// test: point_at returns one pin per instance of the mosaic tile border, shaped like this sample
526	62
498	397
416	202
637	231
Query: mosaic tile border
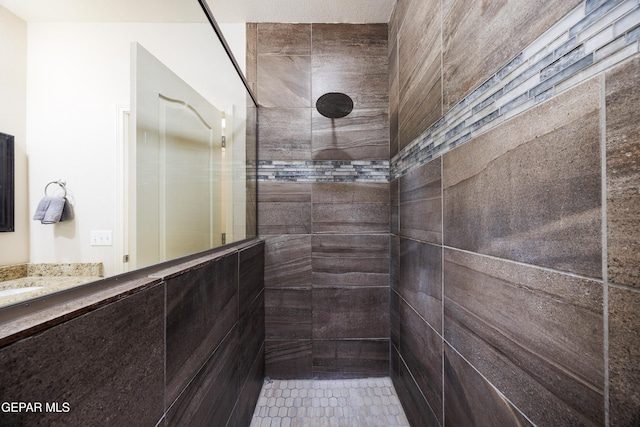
592	38
324	171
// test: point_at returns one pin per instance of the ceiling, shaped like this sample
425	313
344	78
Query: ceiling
224	11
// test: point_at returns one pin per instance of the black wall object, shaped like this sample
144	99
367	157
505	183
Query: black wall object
334	105
6	182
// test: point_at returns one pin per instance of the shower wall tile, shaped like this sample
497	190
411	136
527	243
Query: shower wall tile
415	406
291	359
349	208
623	174
420	279
251	334
480	37
284	81
394	206
284	39
350	39
419	70
212	394
249	393
362	135
421	348
288	313
251	64
393	83
251	276
535	334
343	313
364	78
95	363
350	359
530	189
624	356
395	318
202	306
471	401
421	203
350	260
285	134
288	261
284	208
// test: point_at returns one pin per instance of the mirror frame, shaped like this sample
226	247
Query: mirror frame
7	184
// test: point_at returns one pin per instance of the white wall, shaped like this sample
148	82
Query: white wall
78	75
14	246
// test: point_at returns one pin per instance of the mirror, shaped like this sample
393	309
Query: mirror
6	182
152	173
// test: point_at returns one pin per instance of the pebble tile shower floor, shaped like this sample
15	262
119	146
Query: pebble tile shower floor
370	402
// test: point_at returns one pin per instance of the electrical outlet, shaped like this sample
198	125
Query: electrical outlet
101	238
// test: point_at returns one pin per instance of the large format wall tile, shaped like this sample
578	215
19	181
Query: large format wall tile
480	37
536	335
284	39
285	133
623	174
210	398
350	208
530	190
249	393
624	357
95	363
362	135
284	81
350	39
288	261
251	334
350	359
340	313
421	203
471	401
420	70
291	359
251	276
284	208
421	349
420	279
350	260
288	313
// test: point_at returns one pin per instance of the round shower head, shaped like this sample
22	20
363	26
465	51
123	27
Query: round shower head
334	105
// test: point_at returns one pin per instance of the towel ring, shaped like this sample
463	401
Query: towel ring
61	183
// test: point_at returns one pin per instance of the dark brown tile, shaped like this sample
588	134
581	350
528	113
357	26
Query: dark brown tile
350	208
210	398
624	357
362	135
288	261
394	97
350	359
107	365
394	262
285	134
364	78
202	307
623	175
251	277
250	392
350	313
350	260
421	349
537	335
420	279
350	39
394	206
416	408
394	314
288	313
421	203
284	39
481	37
530	189
471	401
284	81
252	335
288	359
284	208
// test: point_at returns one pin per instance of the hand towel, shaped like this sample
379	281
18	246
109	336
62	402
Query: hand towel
42	208
67	211
54	211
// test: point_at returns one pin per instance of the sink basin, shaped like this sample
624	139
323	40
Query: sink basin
16	291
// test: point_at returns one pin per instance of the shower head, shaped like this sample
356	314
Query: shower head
334	105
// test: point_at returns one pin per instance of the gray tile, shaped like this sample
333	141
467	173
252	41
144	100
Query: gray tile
421	203
283	39
350	39
288	314
290	359
350	359
284	81
285	134
284	208
288	261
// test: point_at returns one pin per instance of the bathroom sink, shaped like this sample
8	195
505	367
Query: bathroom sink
16	291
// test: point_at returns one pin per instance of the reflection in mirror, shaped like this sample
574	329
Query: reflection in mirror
6	182
141	112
